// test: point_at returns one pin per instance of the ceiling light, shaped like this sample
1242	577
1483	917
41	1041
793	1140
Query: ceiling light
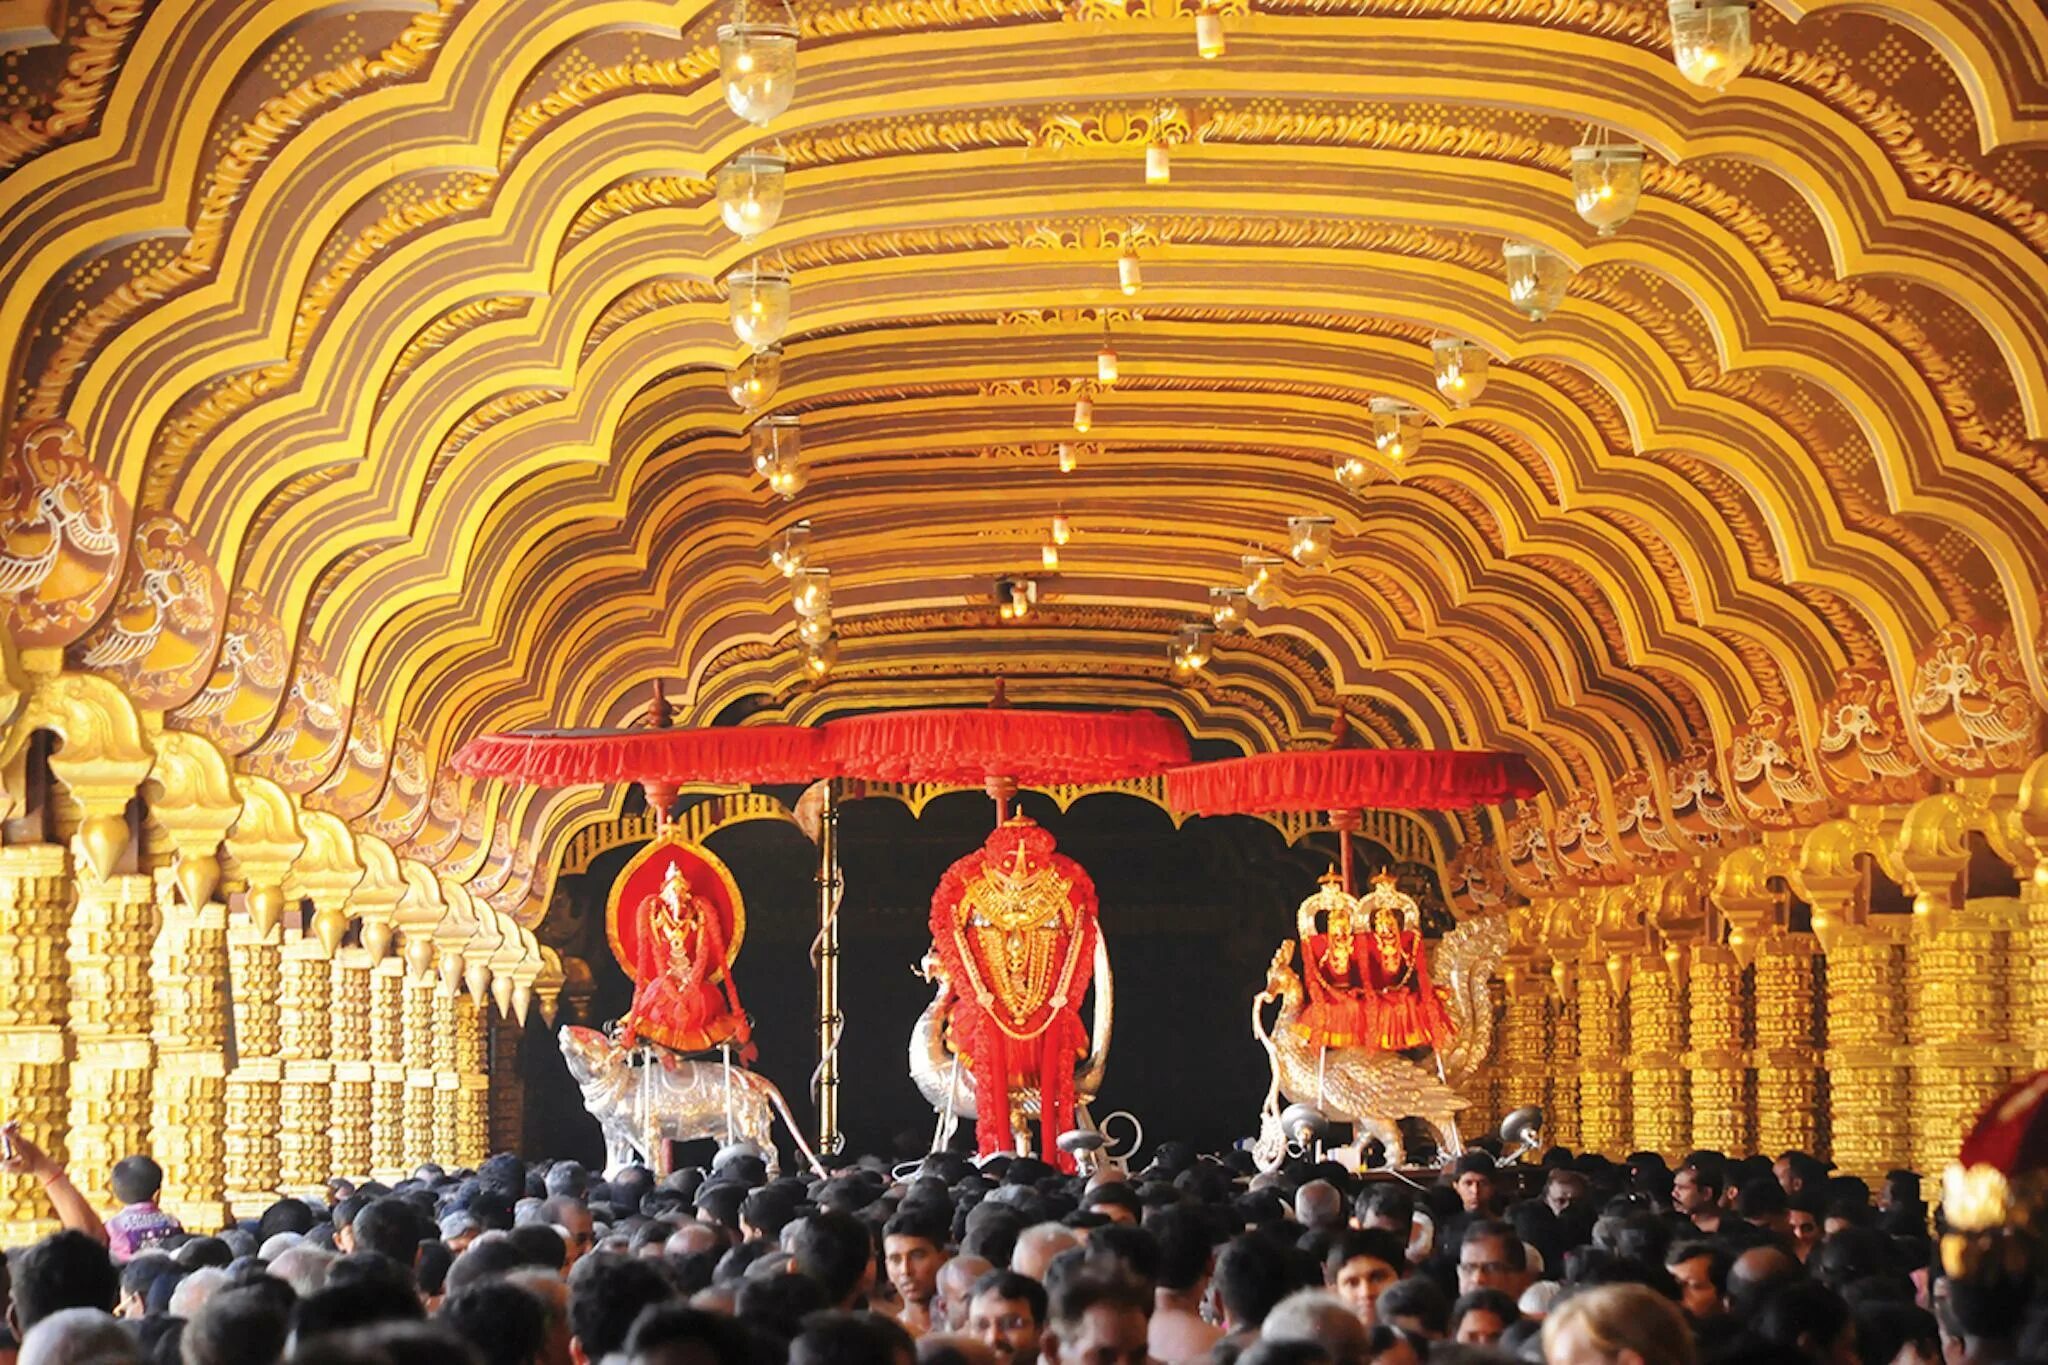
758	63
1084	414
1208	33
1309	540
1049	555
1537	278
1193	646
1158	163
1607	184
1015	598
1129	274
819	658
753	381
1106	360
1461	369
777	448
814	630
1229	609
1069	456
750	192
812	596
1710	40
1352	471
1261	579
760	306
1062	529
791	552
1396	431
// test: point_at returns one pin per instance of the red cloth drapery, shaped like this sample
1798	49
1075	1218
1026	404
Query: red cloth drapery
1350	779
968	747
565	758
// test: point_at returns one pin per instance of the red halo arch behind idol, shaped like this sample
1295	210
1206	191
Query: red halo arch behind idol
625	927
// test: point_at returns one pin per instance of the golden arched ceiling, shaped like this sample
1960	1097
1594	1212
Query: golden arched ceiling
409	322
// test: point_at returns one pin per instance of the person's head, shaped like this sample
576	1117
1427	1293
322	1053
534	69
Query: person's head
1564	1189
1491	1256
541	1245
137	1180
79	1336
1186	1254
1701	1271
1809	1318
64	1270
195	1289
1097	1320
506	1323
1311	1315
1006	1312
1474	1182
568	1178
607	1291
913	1249
1804	1215
1617	1324
1696	1188
852	1339
136	1278
1416	1305
1319	1206
957	1279
835	1250
676	1334
1799	1171
1898	1334
1761	1202
1115	1201
304	1268
392	1227
1479	1318
1251	1278
237	1327
573	1219
1362	1263
1755	1273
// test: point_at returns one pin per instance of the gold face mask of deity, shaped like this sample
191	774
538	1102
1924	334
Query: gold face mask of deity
1015	917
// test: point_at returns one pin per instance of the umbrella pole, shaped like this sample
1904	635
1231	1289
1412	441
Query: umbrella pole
830	1021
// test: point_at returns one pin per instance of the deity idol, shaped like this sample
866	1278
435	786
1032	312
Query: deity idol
1367	975
1336	1014
685	998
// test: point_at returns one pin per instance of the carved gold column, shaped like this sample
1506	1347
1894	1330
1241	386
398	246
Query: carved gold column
420	989
508	1087
112	932
1565	1118
1656	1043
1788	1096
447	1077
1603	1085
1525	1043
387	1071
35	907
473	1095
1955	1010
304	1149
263	844
349	1133
1717	1059
1868	1095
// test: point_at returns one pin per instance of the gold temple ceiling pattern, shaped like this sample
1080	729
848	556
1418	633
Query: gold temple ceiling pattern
400	339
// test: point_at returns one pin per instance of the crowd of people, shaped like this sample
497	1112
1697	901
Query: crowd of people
1573	1260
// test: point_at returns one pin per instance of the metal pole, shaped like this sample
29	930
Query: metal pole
830	1021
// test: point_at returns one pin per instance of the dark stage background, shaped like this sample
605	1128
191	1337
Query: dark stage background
1192	918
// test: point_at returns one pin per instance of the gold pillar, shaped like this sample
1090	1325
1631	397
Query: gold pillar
387	1071
473	1094
1867	1074
188	1100
508	1087
1788	1095
447	1079
255	970
419	1069
1525	1045
35	907
1656	1042
305	1154
1717	1058
1956	1017
1603	1085
349	1133
1565	1119
111	934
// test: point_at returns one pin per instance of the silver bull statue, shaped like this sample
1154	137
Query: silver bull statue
641	1109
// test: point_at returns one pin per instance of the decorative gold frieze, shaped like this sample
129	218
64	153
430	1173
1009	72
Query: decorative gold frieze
1657	1085
1718	1060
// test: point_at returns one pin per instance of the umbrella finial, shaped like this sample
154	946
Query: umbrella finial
1340	730
660	714
1000	697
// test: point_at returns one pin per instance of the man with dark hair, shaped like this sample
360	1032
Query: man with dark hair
1803	1217
1473	1179
913	1250
675	1334
140	1224
1491	1256
508	1325
541	1245
236	1327
1761	1204
1416	1305
1798	1172
607	1292
65	1270
1701	1270
1360	1265
852	1339
1251	1278
1479	1318
1096	1320
1007	1313
579	1227
765	1212
1115	1201
362	1290
1187	1258
836	1251
391	1227
1696	1193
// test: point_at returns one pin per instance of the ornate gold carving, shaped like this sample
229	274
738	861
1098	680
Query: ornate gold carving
1864	751
163	629
637	194
91	64
1116	126
1773	776
241	695
1970	704
61	532
1584	850
1787	1076
1867	1076
1657	1084
351	791
1697	804
305	743
1603	1085
1717	1059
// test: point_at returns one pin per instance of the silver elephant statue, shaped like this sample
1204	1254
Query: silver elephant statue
641	1109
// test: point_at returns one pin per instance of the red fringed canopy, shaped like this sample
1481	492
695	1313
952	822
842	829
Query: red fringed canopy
968	747
1350	779
565	758
2011	1134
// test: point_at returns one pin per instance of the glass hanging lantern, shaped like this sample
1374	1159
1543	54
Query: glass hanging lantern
1229	609
750	192
758	63
820	658
1158	163
1192	648
753	381
1106	361
1461	369
1209	33
792	551
1084	414
1607	184
1130	275
1069	457
787	482
1396	430
1062	529
777	446
1049	556
1015	598
1261	579
1309	540
812	595
1710	40
759	301
1352	472
1537	278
